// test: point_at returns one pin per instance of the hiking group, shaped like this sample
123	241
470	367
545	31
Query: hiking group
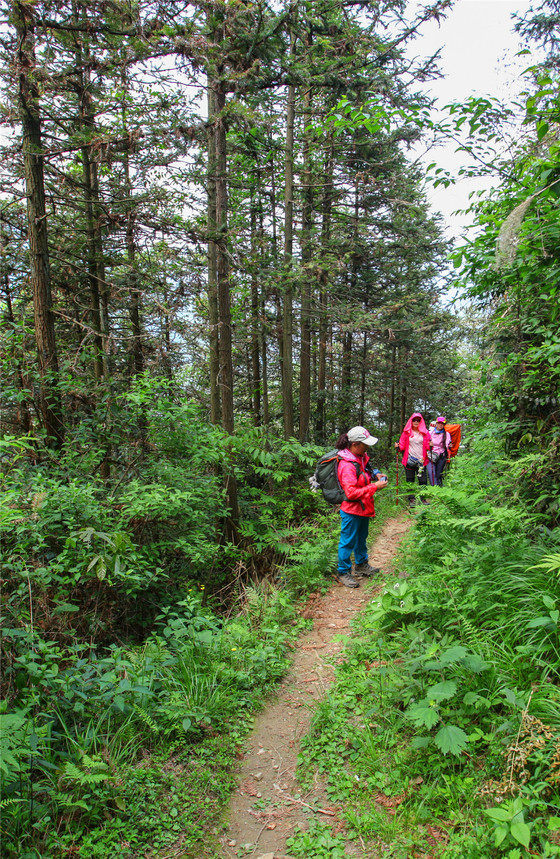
346	478
425	451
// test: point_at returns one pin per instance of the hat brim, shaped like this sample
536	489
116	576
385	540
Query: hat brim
370	441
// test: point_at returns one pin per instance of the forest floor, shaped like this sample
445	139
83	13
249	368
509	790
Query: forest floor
268	803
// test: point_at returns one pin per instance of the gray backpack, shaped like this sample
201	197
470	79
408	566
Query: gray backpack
326	479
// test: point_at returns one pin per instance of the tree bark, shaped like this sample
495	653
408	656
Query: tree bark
323	282
392	401
87	125
287	315
222	267
50	403
212	289
255	324
306	257
263	326
363	377
134	309
346	416
224	299
402	373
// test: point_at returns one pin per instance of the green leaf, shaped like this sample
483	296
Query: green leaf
453	655
539	621
451	740
186	723
475	663
501	833
554	822
66	607
423	714
442	691
521	832
498	813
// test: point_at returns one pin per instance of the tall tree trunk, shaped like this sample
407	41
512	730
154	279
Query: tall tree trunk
331	375
134	309
212	289
363	377
287	316
50	403
323	281
278	327
348	411
392	400
224	299
87	123
403	380
166	332
222	268
306	256
94	209
262	311
346	401
134	306
255	323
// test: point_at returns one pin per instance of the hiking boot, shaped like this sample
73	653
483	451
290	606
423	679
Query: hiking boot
365	570
425	500
347	580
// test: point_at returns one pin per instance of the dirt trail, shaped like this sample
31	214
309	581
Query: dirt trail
268	802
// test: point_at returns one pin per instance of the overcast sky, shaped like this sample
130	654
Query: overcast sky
477	58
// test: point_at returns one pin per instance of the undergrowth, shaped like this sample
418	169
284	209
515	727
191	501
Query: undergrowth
136	644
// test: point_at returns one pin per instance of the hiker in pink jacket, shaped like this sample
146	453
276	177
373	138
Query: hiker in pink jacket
439	452
415	442
360	484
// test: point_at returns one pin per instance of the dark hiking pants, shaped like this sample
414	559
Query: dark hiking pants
410	472
439	465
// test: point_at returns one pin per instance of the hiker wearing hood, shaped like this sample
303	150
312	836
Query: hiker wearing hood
359	484
439	454
415	442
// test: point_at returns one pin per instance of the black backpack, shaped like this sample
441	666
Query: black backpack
326	479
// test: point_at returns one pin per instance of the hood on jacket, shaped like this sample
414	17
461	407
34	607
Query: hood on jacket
421	427
347	454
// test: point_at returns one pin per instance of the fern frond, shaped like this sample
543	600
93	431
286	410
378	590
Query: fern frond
145	717
11	801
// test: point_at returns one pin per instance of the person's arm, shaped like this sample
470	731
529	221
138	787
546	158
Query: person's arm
349	482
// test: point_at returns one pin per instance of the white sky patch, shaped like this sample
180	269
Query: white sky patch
478	58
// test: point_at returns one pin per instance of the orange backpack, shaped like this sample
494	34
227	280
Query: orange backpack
454	431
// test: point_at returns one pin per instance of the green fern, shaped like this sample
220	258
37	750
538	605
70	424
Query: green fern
10	802
145	717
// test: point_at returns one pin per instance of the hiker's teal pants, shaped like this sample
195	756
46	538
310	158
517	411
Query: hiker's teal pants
353	536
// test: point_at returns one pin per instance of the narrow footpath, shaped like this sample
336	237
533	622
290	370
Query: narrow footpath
268	803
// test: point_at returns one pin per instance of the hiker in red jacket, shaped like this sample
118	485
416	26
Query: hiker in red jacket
415	443
360	485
